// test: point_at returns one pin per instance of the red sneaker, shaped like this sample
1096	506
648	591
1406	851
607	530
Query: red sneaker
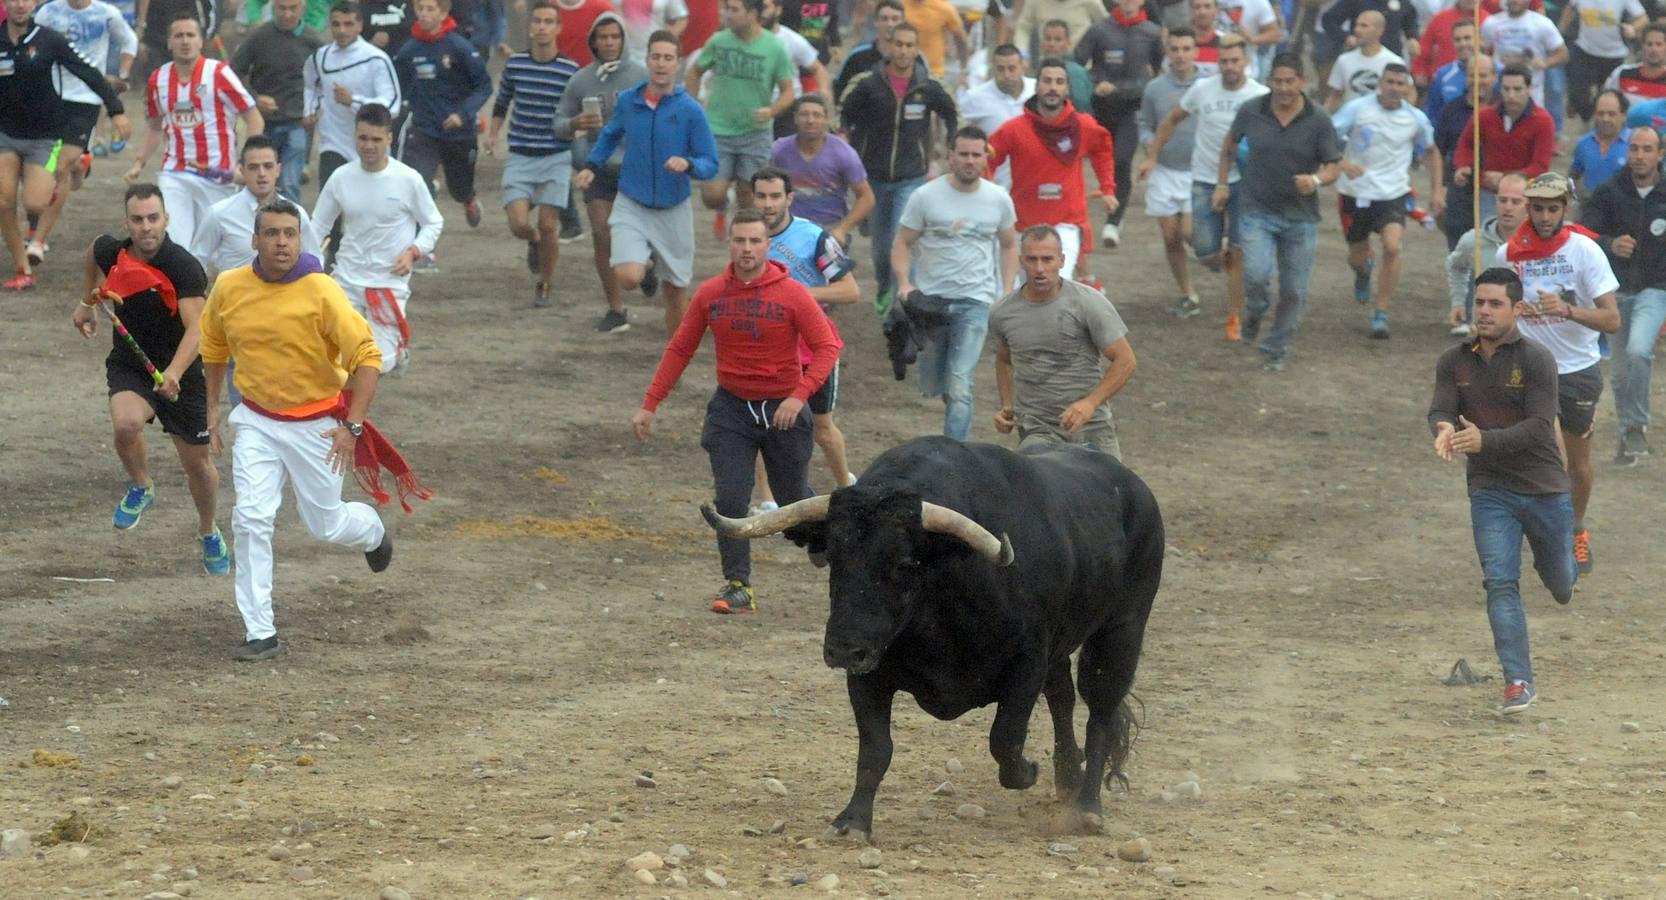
23	281
720	226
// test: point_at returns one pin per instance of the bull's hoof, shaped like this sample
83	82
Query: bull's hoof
847	832
1085	822
1067	780
1020	775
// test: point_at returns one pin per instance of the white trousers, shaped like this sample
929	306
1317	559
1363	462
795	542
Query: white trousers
267	453
387	320
188	198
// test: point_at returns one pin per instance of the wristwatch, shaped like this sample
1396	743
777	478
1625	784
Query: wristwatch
356	429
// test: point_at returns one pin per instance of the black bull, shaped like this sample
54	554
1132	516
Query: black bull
925	598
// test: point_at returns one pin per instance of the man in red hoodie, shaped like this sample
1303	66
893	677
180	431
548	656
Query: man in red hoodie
1047	145
757	314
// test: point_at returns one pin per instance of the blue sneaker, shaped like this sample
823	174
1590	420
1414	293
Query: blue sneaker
216	559
1362	281
1379	325
138	499
118	145
1518	695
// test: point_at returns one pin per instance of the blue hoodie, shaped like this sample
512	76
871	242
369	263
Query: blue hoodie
441	74
676	127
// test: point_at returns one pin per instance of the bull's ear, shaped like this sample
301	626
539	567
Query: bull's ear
812	536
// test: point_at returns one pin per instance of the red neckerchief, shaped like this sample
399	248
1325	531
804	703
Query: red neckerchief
371	454
446	27
1526	244
1062	136
131	276
1129	22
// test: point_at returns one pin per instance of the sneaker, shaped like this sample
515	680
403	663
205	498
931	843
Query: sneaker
571	233
1110	236
540	295
1635	442
851	481
720	226
133	505
1093	281
532	257
36	252
1234	330
216	559
613	322
23	281
98	149
255	651
1188	306
382	555
1459	331
471	212
1362	281
427	264
650	280
882	302
1251	331
766	506
1518	695
86	169
1379	325
1582	551
118	145
1274	364
734	599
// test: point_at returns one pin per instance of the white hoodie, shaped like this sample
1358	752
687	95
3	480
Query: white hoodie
368	74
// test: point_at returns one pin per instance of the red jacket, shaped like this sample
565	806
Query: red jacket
1435	49
756	327
1527	147
1046	190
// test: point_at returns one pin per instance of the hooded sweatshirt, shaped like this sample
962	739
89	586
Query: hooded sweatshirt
598	79
1460	263
1047	184
756	328
673	126
893	134
441	74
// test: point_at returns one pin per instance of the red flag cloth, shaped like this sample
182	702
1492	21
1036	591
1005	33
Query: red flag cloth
1526	243
131	276
373	453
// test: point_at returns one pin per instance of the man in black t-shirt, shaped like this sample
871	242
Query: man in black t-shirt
161	287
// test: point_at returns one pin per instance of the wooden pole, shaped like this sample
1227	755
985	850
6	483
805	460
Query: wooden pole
1475	126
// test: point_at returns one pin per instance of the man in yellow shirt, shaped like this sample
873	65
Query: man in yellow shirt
938	21
303	356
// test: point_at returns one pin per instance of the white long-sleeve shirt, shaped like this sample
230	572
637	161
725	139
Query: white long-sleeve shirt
90	31
381	209
225	234
368	74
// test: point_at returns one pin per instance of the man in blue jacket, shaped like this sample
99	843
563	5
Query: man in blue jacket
667	143
442	78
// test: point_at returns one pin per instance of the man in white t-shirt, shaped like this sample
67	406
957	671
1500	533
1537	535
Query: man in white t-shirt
1567	300
1382	135
1215	102
992	103
384	202
1520	35
1357	72
805	58
1256	21
1606	27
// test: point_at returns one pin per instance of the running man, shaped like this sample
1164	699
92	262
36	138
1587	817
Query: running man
158	288
825	171
191	105
759	316
225	236
340	78
1168	194
442	78
305	361
391	223
752	83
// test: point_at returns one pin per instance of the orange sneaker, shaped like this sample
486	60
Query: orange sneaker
1582	550
1234	331
735	598
720	226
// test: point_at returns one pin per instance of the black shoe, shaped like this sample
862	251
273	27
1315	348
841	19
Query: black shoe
650	281
255	651
613	323
532	257
382	555
540	295
571	233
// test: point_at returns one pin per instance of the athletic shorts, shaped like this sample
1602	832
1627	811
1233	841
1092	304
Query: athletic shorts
1361	220
1168	193
827	396
76	122
185	418
1577	394
1209	228
33	151
605	186
542	180
741	155
640	231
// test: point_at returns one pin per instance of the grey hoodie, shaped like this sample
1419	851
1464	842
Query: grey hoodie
1460	263
599	79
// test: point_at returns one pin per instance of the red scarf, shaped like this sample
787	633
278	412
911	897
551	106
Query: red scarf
446	27
1062	136
371	455
131	276
1526	244
1130	21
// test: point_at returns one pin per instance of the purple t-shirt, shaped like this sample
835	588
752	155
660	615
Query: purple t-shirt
820	185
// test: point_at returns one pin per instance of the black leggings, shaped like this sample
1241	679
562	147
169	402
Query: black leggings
1586	73
736	432
427	155
1122	121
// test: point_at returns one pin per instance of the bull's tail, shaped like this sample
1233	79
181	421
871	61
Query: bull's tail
1126	726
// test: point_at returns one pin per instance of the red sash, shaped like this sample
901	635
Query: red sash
373	452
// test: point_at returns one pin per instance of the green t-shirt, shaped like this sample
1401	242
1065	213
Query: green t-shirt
744	75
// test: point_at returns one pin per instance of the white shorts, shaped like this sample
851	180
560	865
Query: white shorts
188	198
1168	192
384	309
1070	237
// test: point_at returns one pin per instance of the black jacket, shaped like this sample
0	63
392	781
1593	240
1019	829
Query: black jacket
1615	210
29	64
891	134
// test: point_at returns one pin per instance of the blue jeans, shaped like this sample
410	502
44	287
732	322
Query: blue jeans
1500	518
949	358
889	199
1271	239
1556	93
1641	315
1209	228
291	140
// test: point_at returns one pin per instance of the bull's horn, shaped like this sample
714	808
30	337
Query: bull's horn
943	520
810	509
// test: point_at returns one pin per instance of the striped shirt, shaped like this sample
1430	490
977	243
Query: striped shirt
534	89
197	114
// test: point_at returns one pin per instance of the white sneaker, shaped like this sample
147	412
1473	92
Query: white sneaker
36	252
766	506
852	480
1110	236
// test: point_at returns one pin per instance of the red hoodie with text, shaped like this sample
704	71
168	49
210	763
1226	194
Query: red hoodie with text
1047	179
756	326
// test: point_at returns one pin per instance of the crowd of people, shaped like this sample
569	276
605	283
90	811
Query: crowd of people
956	142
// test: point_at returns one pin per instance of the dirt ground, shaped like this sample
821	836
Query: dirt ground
472	723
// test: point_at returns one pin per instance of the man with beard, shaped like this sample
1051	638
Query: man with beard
1569	301
1047	145
824	170
1647	80
1000	99
1494	232
159	288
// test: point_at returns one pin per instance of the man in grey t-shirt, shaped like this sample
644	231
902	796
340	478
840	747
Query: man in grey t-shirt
1050	338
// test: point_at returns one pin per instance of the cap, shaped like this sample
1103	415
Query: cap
1549	186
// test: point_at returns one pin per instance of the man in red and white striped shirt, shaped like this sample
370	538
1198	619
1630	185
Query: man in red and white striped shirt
191	106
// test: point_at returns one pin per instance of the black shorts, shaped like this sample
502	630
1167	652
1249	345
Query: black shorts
185	418
76	122
1360	222
605	186
1577	394
827	396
